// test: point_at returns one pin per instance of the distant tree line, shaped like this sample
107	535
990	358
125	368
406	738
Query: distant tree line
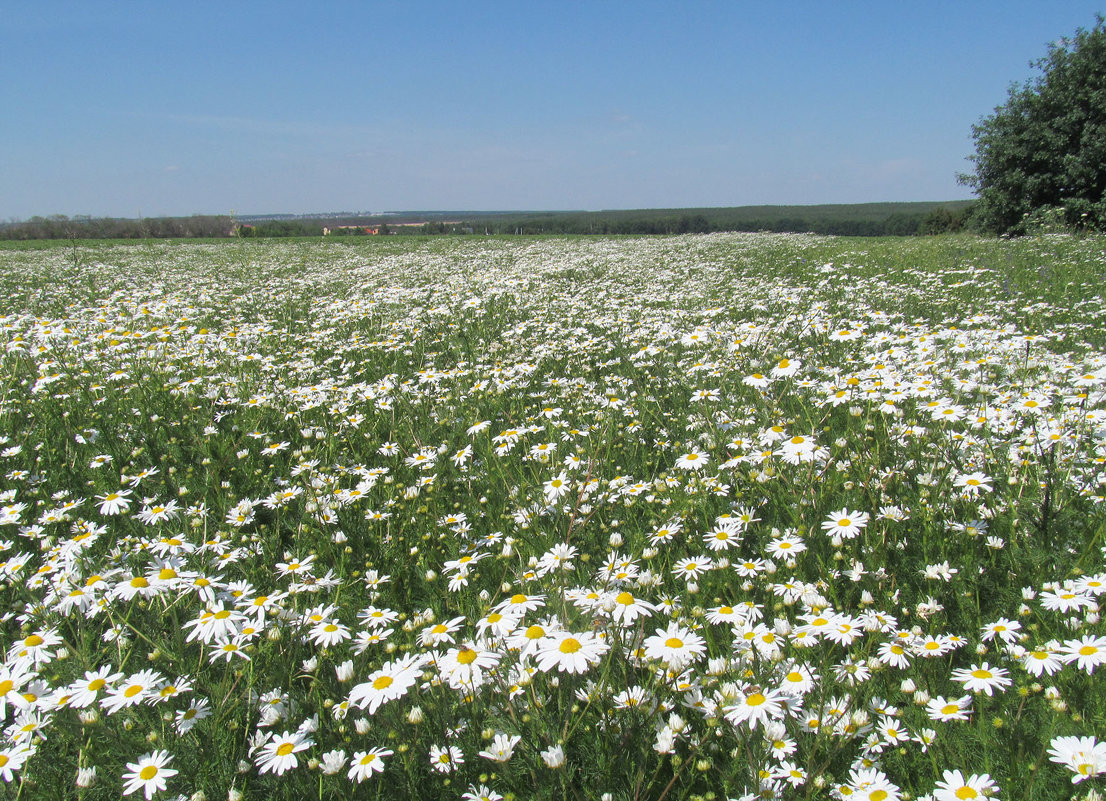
937	219
59	226
874	219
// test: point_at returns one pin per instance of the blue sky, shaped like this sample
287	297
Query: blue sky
174	108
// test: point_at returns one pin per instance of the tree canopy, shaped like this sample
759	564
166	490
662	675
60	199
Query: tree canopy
1041	156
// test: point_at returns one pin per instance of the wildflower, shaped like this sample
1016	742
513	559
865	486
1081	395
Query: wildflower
786	546
755	707
85	691
800	450
148	774
692	567
520	603
440	632
571	652
327	633
956	787
627	608
982	678
722	537
1043	660
158	513
553	756
1083	756
391	681
1065	600
466	666
215	623
226	648
1003	629
693	460
12	758
295	566
502	748
138	687
798	681
666	533
893	654
333	761
845	524
974	483
674	645
447	759
481	793
279	753
86	777
366	763
944	709
1087	653
187	718
786	368
114	503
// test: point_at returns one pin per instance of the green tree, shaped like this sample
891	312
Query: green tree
1042	154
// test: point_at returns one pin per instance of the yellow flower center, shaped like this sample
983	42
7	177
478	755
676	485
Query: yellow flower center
139	582
96	684
756	699
625	599
535	632
33	640
966	792
981	674
466	656
674	642
382	682
284	749
570	646
147	773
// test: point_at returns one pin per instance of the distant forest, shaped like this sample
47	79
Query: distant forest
860	219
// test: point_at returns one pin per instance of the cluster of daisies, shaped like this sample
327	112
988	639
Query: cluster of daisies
476	513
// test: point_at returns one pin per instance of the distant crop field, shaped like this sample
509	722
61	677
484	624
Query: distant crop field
728	516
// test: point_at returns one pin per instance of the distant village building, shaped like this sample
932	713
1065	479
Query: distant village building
370	230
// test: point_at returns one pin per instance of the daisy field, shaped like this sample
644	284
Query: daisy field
731	516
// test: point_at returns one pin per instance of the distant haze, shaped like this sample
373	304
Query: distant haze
165	109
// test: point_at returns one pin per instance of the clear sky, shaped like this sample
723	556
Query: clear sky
173	108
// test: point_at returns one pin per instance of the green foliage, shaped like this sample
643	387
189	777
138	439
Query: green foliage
1045	148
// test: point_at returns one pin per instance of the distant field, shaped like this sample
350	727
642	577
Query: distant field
696	517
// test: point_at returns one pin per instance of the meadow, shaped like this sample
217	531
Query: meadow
729	516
